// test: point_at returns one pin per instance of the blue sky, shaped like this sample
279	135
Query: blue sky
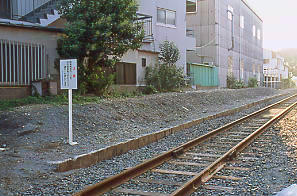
280	22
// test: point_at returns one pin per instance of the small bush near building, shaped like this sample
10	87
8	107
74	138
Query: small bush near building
163	78
169	53
288	83
149	89
99	81
165	75
233	83
253	82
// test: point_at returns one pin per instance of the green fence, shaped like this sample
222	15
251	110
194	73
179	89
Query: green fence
204	75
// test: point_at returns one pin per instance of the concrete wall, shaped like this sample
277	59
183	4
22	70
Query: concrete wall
136	57
7	93
30	35
213	28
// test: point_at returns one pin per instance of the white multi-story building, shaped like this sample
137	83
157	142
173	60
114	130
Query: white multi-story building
274	69
163	21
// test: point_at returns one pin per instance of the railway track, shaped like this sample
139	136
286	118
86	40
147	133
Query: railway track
188	167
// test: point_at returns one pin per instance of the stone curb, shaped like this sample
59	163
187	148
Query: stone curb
91	158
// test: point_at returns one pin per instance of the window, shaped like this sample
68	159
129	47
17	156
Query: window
143	62
266	61
230	12
161	16
254	30
242	22
166	17
170	17
259	34
191	6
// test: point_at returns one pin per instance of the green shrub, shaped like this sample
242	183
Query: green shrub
240	84
164	78
149	89
232	83
252	83
99	81
169	53
288	83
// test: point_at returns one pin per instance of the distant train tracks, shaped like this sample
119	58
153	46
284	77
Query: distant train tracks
189	166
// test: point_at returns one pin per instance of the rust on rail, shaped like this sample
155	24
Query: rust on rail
199	178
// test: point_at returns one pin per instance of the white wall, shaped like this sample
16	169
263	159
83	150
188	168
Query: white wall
161	33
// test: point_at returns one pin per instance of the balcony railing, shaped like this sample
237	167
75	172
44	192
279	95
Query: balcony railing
147	24
16	9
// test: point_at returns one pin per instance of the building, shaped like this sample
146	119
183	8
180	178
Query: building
30	25
274	69
229	37
162	20
294	78
28	43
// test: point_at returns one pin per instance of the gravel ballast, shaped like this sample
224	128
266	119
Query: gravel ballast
36	134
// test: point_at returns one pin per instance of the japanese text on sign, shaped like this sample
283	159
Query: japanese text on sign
68	74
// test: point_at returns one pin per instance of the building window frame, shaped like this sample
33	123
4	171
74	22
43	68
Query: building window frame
254	31
259	34
165	21
143	62
193	2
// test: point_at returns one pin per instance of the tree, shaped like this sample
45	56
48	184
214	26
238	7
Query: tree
165	76
98	33
169	53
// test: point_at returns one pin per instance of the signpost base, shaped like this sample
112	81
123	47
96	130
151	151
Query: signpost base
70	118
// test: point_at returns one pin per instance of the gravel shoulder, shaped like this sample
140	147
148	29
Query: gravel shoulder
36	134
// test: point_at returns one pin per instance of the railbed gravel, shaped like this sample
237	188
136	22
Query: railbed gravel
51	183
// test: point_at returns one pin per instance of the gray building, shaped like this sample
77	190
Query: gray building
28	42
229	35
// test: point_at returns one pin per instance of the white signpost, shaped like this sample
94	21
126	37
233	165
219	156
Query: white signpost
68	77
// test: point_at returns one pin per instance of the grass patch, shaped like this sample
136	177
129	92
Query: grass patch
63	99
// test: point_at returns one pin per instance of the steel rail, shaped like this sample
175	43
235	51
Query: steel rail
114	181
219	164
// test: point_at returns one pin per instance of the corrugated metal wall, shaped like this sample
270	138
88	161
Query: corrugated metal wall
203	75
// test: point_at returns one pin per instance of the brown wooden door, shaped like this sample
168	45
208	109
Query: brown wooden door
126	73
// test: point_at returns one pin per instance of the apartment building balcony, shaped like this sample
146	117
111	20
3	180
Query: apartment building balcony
147	23
190	40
